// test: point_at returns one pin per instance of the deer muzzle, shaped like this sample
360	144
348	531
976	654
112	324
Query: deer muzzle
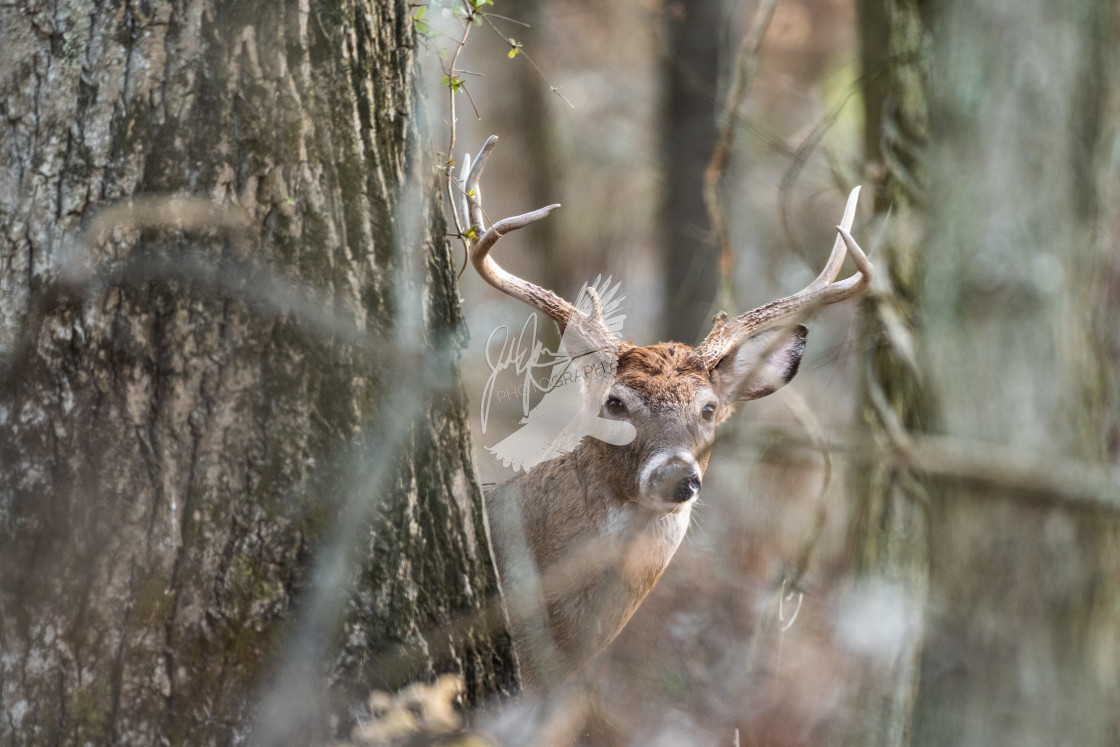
673	478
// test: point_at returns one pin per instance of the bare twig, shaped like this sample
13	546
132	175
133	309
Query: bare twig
522	53
800	158
740	87
813	431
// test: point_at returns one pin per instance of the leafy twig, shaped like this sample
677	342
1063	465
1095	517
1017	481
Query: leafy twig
516	50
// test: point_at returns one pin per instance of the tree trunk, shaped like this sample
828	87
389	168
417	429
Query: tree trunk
237	490
992	337
696	33
1022	645
888	532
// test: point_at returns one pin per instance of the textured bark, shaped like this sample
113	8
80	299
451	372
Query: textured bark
998	273
237	484
1024	617
888	531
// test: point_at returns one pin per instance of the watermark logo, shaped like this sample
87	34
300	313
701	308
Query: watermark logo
573	388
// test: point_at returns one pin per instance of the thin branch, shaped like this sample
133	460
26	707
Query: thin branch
813	431
507	19
800	158
740	87
450	162
522	53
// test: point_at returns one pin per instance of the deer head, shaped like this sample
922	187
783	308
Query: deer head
581	539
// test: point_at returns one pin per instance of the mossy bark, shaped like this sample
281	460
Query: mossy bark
984	124
888	531
1022	645
231	428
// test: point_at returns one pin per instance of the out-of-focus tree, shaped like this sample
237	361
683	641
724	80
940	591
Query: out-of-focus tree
888	532
237	489
696	34
986	529
1023	617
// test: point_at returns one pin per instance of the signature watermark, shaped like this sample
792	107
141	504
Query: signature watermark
539	368
572	389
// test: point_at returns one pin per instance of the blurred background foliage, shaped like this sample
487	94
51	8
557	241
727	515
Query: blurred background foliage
953	546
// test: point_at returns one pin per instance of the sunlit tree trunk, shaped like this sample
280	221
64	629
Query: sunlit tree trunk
237	490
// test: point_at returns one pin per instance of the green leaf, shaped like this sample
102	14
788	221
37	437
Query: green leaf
422	26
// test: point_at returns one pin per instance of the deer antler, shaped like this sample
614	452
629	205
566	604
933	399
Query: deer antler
590	329
823	291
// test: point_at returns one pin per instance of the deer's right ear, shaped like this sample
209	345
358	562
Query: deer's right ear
759	365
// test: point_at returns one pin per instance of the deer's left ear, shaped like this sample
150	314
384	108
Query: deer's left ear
760	365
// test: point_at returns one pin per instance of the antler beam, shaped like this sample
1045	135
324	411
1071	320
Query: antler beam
591	328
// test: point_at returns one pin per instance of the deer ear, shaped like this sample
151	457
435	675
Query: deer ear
759	365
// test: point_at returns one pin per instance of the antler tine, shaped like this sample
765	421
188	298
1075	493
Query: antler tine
836	258
591	328
823	291
471	194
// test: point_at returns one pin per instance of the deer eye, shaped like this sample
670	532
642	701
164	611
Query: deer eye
615	407
708	413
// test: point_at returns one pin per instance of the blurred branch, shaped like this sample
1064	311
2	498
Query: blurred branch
811	426
166	211
83	278
717	166
1062	483
800	158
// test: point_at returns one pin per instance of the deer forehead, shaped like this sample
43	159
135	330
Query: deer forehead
664	375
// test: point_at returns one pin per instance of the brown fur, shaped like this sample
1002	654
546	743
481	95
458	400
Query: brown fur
578	546
665	372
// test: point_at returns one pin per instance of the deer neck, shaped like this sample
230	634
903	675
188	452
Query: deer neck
598	552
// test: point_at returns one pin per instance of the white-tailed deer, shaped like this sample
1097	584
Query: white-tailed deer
582	538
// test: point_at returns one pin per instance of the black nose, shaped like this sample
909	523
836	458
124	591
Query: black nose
677	480
687	488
